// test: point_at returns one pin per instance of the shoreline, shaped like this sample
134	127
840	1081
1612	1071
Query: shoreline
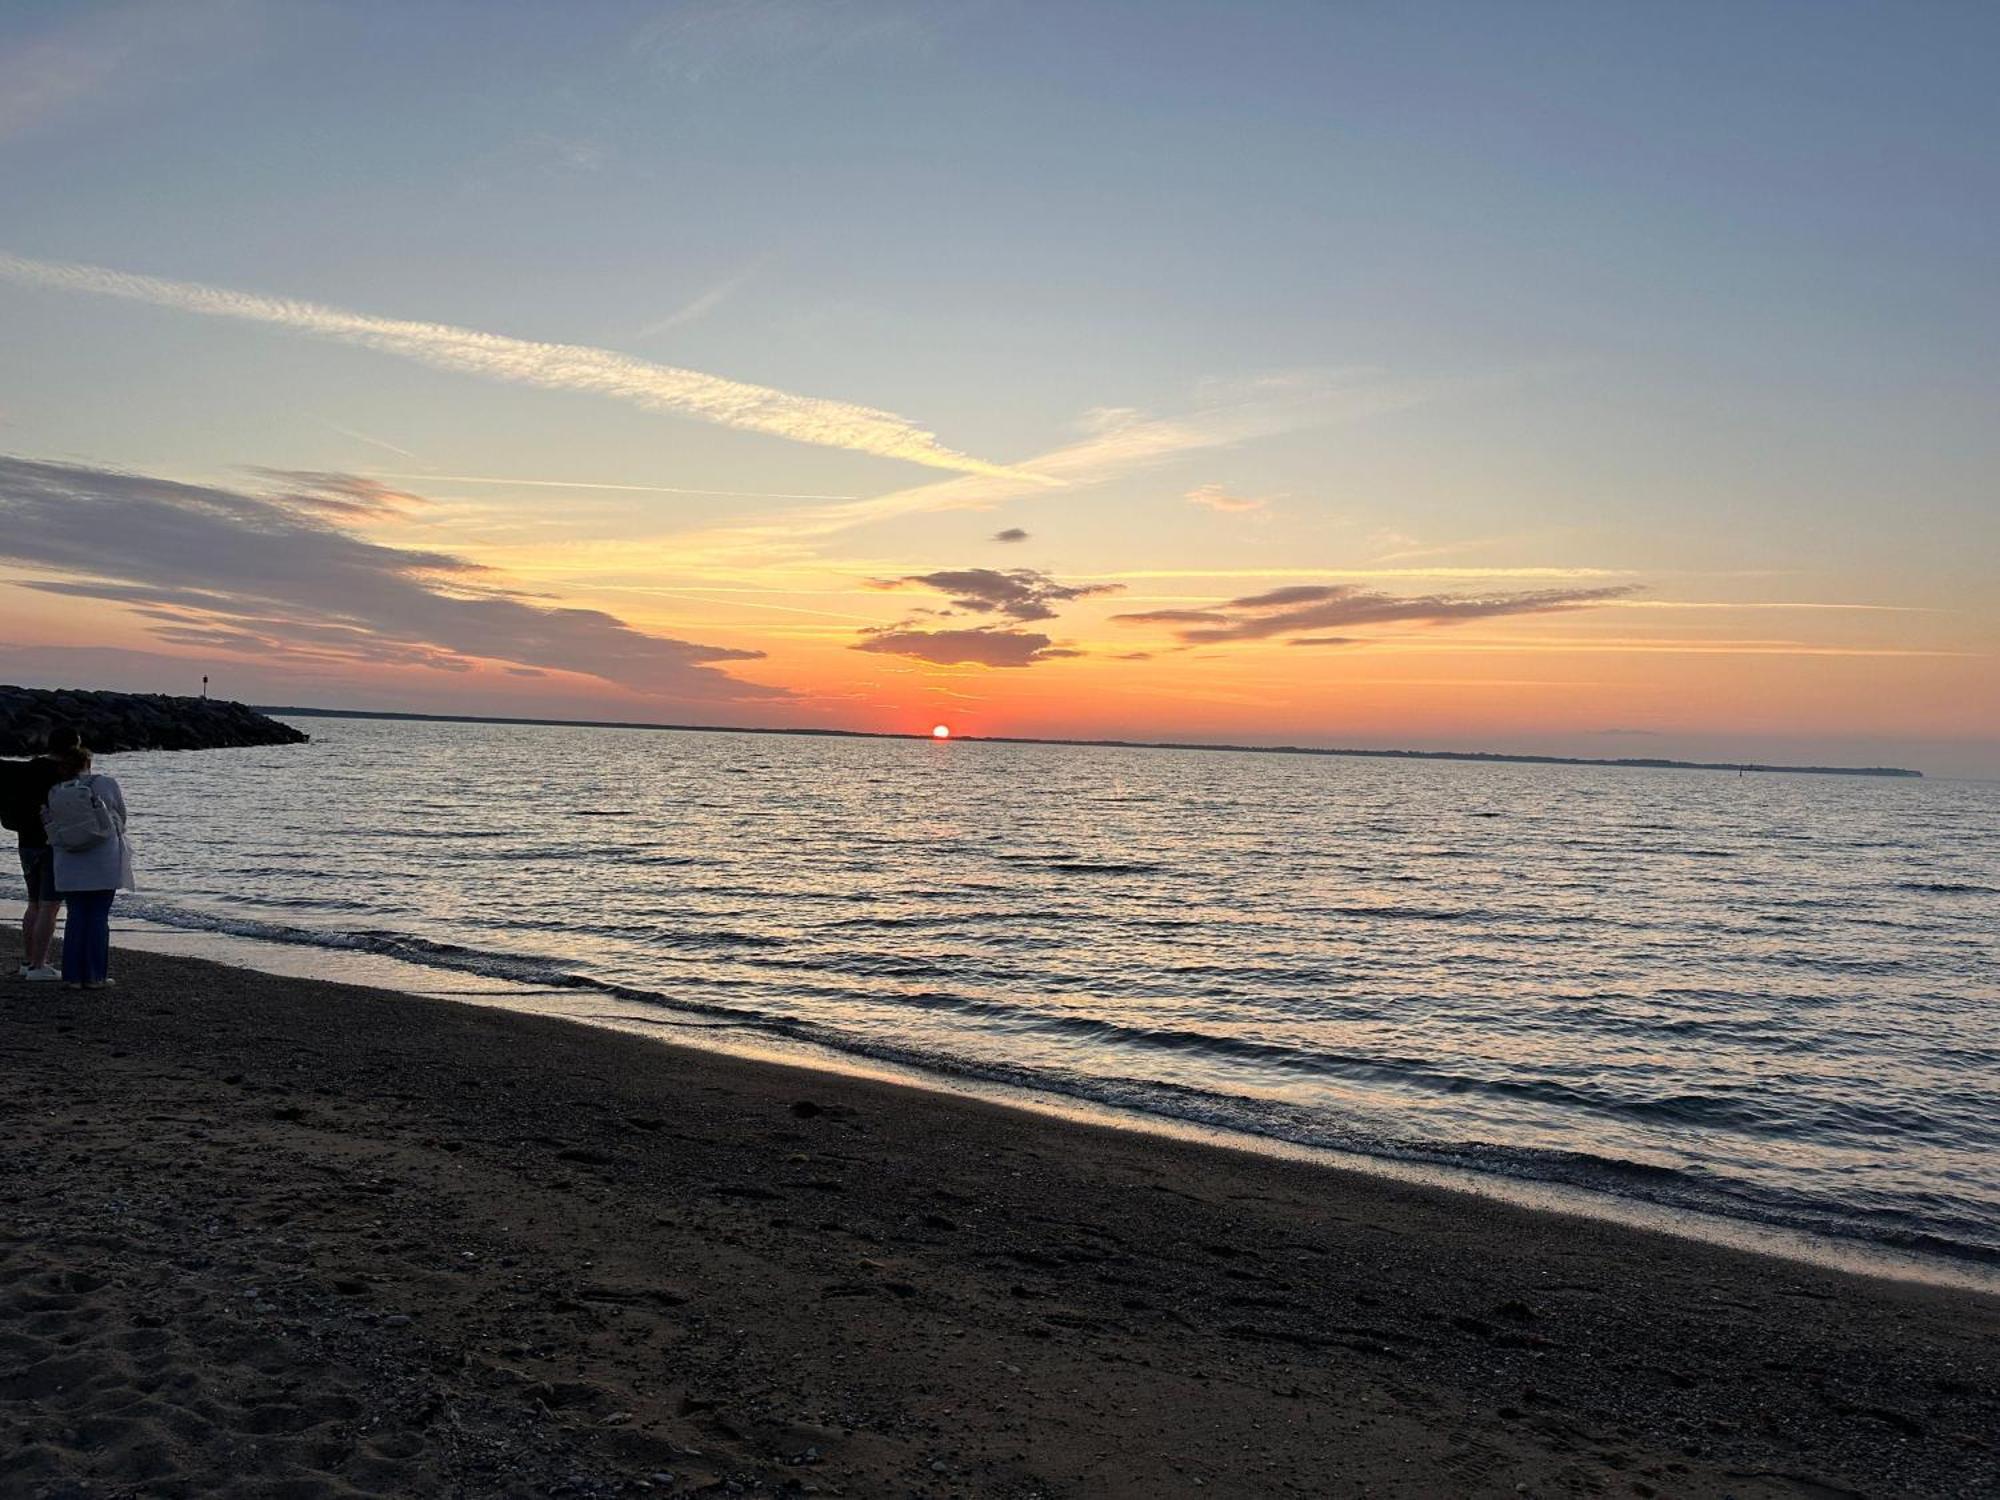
263	1230
693	1030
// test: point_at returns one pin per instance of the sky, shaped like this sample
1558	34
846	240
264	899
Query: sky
1603	380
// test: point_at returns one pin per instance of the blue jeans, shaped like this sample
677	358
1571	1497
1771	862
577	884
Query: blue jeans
87	937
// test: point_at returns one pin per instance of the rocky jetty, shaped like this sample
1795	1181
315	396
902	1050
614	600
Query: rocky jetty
111	722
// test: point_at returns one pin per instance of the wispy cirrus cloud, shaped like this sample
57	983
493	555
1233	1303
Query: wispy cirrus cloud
281	578
1321	572
507	482
1215	497
1305	608
1173	617
569	367
344	499
1115	441
1741	604
1655	646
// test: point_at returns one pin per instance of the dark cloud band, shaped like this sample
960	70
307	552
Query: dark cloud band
950	648
1018	593
1304	608
279	577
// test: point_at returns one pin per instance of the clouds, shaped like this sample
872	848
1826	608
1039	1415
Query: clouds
1011	534
1174	617
277	577
508	482
1304	608
976	647
339	497
567	367
1215	497
1019	594
1116	441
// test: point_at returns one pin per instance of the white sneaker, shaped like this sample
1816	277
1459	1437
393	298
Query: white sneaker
45	974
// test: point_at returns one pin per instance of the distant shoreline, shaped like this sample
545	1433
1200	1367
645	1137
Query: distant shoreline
1490	757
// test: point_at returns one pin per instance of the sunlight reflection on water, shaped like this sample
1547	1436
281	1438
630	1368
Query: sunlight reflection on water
1770	996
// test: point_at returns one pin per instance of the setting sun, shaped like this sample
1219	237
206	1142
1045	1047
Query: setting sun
940	731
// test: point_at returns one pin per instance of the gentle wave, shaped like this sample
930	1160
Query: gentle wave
1773	997
1654	1182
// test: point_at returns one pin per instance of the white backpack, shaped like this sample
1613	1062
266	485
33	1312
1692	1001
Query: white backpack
76	818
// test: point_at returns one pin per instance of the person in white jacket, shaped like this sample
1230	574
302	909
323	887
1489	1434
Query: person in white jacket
90	879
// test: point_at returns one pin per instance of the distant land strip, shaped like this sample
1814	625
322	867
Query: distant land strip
1486	756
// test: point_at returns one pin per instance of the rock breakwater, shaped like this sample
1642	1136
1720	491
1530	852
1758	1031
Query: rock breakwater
112	722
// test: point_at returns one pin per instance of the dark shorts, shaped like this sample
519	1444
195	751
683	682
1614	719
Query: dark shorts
38	868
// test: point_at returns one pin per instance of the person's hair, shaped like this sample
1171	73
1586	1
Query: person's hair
62	737
72	762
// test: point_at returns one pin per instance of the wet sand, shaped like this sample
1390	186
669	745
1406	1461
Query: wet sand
275	1237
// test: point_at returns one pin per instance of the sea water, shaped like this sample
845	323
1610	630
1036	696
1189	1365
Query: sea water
1768	997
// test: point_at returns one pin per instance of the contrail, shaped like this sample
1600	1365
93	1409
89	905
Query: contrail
706	303
362	437
565	367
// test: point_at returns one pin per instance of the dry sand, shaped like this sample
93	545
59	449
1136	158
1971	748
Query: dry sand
280	1238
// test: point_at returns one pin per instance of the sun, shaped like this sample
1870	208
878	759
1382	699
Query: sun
940	731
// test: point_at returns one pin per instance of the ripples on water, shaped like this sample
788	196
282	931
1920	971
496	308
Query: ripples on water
1771	997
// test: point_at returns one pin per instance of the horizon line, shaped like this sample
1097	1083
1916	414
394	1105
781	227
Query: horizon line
1627	763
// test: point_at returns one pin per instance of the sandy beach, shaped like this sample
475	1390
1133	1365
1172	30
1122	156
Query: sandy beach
283	1238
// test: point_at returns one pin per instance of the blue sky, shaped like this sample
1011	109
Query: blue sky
1698	298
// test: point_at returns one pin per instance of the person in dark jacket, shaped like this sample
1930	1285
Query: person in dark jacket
23	792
